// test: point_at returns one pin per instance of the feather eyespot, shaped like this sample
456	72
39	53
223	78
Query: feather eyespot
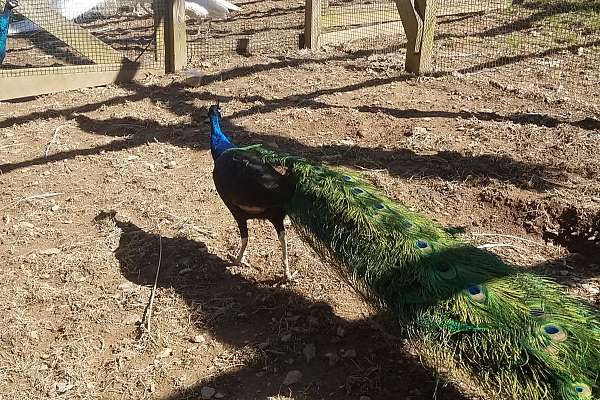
357	191
536	312
582	390
378	206
407	224
423	246
476	293
554	332
446	271
347	178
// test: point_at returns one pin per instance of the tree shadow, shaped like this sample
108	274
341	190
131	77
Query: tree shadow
250	314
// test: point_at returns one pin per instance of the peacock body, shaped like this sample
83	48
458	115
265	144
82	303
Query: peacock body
515	332
4	22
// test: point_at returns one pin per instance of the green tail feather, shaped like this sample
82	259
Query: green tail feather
517	333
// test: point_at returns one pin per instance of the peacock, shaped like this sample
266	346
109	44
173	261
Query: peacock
516	333
209	9
4	22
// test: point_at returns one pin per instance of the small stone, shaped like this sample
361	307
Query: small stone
580	51
193	78
55	207
207	392
34	335
199	339
350	353
418	130
50	251
171	164
286	337
132	158
126	286
219	395
333	358
309	352
165	353
63	387
26	225
292	377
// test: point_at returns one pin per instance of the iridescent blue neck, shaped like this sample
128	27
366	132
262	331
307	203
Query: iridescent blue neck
218	141
4	21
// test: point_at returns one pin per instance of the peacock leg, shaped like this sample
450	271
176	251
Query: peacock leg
286	265
240	259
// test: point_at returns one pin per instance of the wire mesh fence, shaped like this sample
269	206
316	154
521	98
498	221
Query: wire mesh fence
552	37
100	33
363	24
271	26
557	42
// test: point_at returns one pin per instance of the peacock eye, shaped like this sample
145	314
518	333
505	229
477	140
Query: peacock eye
379	206
582	390
423	246
556	333
407	224
347	178
357	190
476	293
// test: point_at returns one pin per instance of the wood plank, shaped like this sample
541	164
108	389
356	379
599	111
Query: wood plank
312	23
345	16
38	81
175	36
346	35
76	37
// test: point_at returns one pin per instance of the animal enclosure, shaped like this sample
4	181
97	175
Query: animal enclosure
63	44
66	43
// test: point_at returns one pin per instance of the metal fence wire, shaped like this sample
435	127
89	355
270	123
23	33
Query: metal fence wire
269	26
103	33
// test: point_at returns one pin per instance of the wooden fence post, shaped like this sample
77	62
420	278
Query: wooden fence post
175	35
419	19
312	24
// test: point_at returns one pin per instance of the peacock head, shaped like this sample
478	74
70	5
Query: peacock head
214	111
10	4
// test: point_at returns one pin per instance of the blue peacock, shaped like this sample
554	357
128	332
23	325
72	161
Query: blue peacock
517	334
4	22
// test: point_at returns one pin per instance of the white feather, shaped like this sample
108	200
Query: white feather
210	8
194	10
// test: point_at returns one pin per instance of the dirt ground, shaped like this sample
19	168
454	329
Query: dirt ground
98	185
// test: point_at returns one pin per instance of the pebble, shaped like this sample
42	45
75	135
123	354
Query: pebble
309	352
26	225
165	353
350	353
55	207
286	337
50	251
292	377
63	387
207	392
199	339
171	164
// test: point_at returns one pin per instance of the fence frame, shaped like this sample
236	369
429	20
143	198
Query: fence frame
171	56
417	17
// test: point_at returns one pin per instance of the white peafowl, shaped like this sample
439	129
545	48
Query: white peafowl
208	10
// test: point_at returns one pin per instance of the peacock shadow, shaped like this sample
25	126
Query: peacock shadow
242	312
